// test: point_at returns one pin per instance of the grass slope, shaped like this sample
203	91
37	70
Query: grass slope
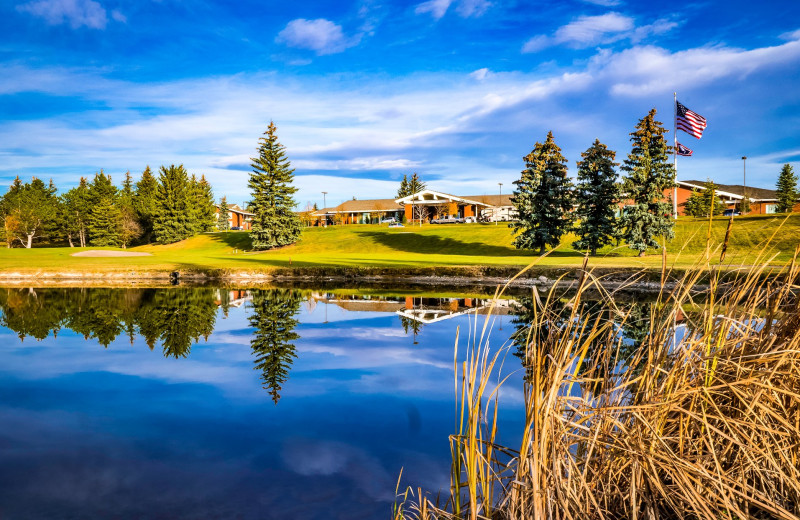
411	247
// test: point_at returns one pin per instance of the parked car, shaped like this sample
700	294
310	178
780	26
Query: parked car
731	213
389	220
396	225
470	220
236	228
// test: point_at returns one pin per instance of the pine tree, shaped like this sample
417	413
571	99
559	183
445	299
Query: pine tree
274	222
701	203
543	198
223	224
596	198
404	190
172	219
415	184
205	207
145	202
787	193
649	174
274	320
75	207
105	223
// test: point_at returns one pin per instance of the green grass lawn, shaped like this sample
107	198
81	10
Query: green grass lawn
414	247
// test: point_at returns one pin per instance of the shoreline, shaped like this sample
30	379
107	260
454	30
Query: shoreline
642	280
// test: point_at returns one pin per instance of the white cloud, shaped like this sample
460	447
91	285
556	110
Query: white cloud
464	8
587	31
321	36
604	3
76	13
118	16
480	74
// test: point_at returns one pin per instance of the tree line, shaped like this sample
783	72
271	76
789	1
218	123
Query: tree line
164	209
600	208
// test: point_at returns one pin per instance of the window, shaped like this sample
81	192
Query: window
770	208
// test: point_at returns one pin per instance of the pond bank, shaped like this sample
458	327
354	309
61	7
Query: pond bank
645	280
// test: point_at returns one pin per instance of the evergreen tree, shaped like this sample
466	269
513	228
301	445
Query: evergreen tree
105	224
744	204
596	198
274	320
543	198
204	207
223	224
274	222
404	190
74	217
172	219
648	175
703	203
787	190
145	202
126	193
105	220
415	184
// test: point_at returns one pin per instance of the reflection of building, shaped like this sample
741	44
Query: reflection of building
421	309
235	298
431	310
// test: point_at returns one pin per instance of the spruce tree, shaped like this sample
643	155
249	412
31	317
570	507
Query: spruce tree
274	222
403	191
787	193
274	320
415	184
205	207
145	202
596	198
172	222
223	224
105	223
648	175
703	203
543	198
75	207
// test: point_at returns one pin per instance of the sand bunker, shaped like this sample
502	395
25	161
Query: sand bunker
100	254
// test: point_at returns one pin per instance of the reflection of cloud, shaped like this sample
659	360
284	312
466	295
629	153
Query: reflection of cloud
312	457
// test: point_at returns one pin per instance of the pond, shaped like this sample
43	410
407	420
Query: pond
231	403
218	403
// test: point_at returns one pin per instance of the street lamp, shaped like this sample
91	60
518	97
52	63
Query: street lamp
744	180
325	208
499	201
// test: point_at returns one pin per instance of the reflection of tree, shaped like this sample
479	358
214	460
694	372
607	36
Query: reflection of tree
177	318
174	317
274	319
411	324
30	312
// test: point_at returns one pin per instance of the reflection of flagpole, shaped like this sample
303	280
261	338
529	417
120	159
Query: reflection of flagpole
675	155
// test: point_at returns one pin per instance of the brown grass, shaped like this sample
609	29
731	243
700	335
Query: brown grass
701	421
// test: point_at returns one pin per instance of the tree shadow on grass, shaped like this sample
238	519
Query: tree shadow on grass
234	239
432	244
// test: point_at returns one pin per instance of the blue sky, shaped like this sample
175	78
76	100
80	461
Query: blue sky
366	91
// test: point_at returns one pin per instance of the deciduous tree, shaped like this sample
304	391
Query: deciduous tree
29	211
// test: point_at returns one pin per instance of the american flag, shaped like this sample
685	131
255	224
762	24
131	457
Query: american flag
690	122
682	150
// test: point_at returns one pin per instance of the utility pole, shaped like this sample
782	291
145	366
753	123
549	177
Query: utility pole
499	201
325	207
744	181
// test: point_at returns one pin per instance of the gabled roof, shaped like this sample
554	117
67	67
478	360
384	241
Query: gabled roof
235	208
735	191
361	206
492	200
431	196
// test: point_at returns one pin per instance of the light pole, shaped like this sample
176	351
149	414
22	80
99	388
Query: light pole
325	208
744	181
499	201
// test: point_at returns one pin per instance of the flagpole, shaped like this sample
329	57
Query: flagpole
675	154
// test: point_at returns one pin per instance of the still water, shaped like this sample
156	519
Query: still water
217	403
